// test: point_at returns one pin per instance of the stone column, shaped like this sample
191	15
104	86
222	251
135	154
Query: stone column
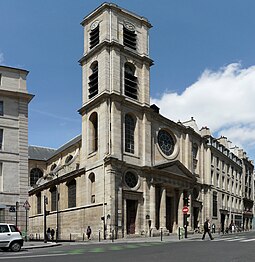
175	208
152	205
145	216
180	214
125	217
120	213
162	216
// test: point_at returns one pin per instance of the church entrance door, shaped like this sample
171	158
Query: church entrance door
131	215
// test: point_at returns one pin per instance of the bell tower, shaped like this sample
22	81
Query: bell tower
115	70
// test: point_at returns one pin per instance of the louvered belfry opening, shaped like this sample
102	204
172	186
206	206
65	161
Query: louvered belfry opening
93	80
130	81
129	38
94	37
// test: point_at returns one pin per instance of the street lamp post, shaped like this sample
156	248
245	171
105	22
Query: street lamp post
45	202
57	207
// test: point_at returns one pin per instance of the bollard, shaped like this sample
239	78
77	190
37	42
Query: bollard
112	236
83	237
161	235
179	233
99	236
70	237
150	231
185	231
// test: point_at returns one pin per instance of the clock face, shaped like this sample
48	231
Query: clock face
94	25
166	142
129	26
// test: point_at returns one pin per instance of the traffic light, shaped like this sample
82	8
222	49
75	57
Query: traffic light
186	200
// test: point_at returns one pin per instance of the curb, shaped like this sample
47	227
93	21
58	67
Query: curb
42	246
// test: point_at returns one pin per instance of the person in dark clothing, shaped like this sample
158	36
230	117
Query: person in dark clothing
52	232
207	229
88	233
48	233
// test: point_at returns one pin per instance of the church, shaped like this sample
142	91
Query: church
132	171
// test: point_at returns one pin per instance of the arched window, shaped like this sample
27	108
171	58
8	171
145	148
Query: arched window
53	191
93	132
129	134
130	81
71	193
35	174
92	187
93	80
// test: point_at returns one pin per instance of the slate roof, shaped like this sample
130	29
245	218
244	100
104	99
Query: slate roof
65	146
40	153
45	153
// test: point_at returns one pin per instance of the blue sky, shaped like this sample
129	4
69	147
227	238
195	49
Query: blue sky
203	52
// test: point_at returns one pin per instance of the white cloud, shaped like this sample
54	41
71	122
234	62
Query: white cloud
1	58
223	100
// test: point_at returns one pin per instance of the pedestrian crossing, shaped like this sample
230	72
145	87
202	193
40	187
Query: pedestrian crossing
241	239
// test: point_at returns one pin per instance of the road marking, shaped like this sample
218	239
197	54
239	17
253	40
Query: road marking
34	256
235	239
222	239
248	240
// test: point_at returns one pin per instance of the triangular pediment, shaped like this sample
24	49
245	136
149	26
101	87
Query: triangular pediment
176	168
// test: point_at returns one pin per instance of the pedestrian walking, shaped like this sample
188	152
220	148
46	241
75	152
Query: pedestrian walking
88	232
48	234
213	228
207	229
52	232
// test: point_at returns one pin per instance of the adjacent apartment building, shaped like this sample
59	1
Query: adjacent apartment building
132	170
14	100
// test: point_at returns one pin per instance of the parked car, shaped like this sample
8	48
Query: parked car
10	237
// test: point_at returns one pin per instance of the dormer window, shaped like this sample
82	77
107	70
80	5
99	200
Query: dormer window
94	34
129	36
93	80
130	81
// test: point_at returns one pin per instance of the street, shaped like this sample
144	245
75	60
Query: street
229	248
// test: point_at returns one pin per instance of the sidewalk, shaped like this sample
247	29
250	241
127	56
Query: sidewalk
95	241
171	238
39	244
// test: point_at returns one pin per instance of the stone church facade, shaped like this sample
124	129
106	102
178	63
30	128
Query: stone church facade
131	171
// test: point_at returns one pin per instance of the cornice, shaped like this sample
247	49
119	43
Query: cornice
125	50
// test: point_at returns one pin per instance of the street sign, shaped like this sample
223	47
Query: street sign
185	210
12	209
26	205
